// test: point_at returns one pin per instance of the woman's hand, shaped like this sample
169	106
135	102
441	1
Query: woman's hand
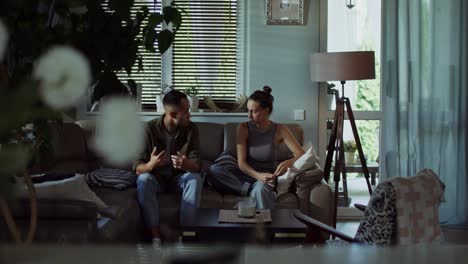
283	167
265	177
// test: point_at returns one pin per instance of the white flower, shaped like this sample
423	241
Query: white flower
64	76
119	131
3	39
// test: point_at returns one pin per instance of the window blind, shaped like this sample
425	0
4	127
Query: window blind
205	49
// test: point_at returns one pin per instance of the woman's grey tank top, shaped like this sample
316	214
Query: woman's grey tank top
261	150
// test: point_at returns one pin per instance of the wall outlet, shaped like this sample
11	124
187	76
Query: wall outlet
299	115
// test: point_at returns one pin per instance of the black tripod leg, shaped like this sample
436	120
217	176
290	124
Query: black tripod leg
343	172
358	145
331	147
339	155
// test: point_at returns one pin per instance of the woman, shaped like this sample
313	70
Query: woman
256	169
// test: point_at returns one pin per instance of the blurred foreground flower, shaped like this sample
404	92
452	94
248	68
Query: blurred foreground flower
3	39
119	131
64	76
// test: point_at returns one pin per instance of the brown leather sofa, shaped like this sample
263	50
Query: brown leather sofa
78	221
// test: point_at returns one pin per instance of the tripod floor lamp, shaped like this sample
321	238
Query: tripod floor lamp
342	66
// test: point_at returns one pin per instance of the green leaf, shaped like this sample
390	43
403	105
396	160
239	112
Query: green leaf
107	84
154	20
171	14
165	39
7	187
150	38
13	158
122	8
145	10
140	64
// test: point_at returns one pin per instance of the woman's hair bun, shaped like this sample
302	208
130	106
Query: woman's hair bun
267	89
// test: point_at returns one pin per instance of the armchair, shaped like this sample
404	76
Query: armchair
400	211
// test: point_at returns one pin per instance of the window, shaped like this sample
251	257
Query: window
205	52
355	29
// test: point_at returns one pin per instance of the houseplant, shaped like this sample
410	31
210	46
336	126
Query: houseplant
59	79
192	93
350	151
50	54
109	40
159	97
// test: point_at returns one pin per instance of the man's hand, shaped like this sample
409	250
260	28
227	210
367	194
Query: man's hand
282	168
265	177
179	161
157	160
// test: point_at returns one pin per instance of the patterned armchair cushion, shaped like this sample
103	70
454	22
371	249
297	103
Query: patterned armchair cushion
378	225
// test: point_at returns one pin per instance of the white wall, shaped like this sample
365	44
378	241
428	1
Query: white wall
278	56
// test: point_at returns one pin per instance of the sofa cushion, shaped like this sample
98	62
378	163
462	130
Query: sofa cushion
69	148
211	140
287	200
283	150
230	138
73	188
54	208
95	160
308	161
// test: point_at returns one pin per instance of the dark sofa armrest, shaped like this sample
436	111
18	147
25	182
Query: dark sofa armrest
52	208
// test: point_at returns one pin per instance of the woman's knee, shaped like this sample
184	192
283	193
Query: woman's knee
214	171
262	188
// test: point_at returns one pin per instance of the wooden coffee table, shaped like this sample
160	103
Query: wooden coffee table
204	223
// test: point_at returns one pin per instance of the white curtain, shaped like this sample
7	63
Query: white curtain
424	95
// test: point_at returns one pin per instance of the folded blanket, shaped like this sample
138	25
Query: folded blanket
417	207
111	178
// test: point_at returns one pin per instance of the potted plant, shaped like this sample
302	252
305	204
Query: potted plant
192	93
104	32
159	97
350	150
330	94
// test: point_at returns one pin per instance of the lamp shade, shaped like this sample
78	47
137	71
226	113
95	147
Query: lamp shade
342	66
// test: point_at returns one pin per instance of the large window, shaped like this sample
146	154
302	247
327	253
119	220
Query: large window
205	52
355	29
205	48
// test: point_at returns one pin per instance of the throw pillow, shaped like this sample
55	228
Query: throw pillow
305	162
74	188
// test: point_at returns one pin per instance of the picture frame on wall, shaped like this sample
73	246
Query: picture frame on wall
285	12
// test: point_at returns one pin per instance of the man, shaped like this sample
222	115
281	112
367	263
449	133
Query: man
170	161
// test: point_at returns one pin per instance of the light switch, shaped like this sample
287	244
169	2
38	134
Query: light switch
299	115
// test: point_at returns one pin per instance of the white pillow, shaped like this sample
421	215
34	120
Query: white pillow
74	188
305	162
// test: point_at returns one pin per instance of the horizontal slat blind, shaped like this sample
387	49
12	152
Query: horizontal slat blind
205	48
150	76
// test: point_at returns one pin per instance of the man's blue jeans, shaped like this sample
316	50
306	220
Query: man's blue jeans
149	186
